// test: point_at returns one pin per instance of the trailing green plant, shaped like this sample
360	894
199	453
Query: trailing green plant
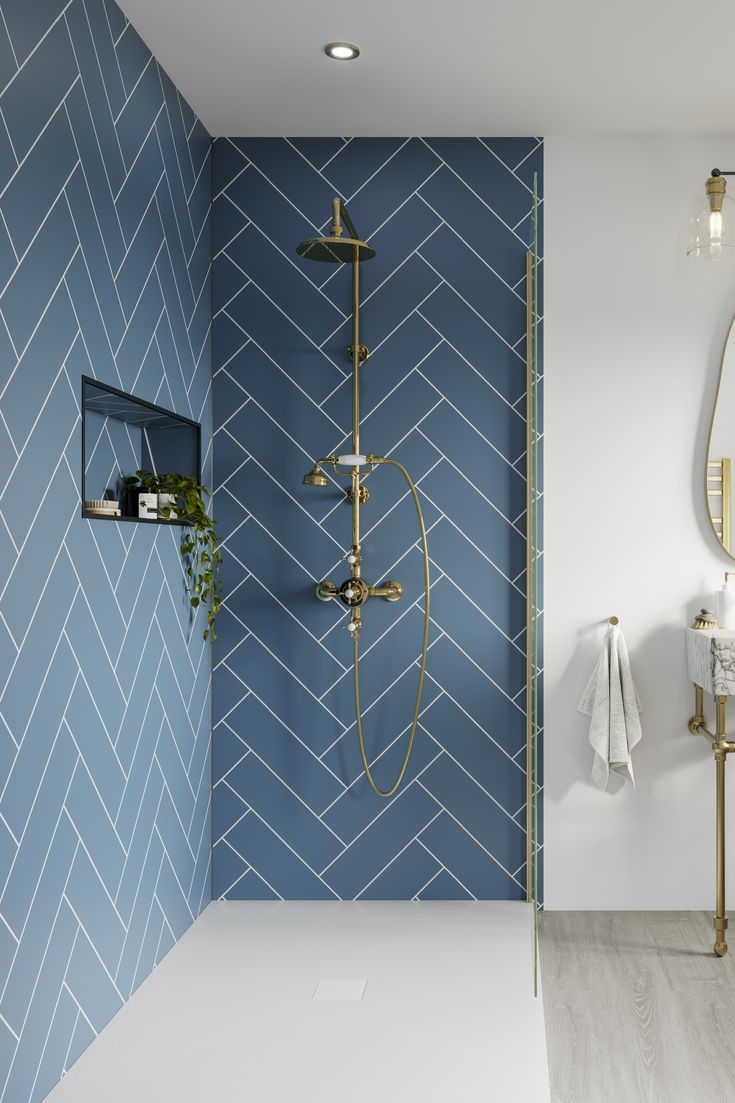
199	545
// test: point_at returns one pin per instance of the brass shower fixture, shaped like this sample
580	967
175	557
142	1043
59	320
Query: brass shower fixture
354	592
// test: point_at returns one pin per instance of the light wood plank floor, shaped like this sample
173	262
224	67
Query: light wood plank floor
637	1007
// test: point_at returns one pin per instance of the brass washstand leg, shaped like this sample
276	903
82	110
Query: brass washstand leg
720	919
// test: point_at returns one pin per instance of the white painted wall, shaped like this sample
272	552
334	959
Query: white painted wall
634	332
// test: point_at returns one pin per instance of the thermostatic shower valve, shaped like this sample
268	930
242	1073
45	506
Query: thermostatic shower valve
355	591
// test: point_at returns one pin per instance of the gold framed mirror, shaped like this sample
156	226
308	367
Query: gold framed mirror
720	460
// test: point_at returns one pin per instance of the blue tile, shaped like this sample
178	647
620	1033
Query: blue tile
116	18
404	877
482	523
473	339
440	386
39	831
301	771
274	802
63	304
228	809
140	257
391	186
457	557
93	823
100	158
490	825
469	863
228	163
126	893
90	985
302	420
82	1037
318	150
281	165
388	833
95	910
390	305
277	275
105	53
38	739
26	296
485	174
468	626
132	55
287	874
251	887
50	344
41	84
59	1039
444	887
29	958
358	160
482	700
293	702
94	745
271	329
482	405
41	638
489	295
151	864
488	239
8	65
38	181
40	1011
139	113
178	915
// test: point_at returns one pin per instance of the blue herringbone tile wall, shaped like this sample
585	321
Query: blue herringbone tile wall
104	682
444	391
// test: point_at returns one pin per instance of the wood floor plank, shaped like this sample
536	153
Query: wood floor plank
638	1009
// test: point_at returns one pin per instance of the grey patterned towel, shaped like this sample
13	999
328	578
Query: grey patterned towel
612	702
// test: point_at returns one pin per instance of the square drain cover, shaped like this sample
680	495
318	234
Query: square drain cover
339	990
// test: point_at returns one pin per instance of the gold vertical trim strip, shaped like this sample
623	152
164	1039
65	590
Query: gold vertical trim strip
529	576
726	505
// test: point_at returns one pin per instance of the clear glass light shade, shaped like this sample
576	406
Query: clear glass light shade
712	233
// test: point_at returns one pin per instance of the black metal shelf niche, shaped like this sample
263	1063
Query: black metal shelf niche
122	434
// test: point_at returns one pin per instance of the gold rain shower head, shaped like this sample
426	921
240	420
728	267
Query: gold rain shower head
335	248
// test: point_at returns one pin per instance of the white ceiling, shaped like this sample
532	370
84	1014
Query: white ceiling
455	67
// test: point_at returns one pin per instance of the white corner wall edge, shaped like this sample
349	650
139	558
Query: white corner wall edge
633	337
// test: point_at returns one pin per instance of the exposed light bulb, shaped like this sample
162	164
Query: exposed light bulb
716	227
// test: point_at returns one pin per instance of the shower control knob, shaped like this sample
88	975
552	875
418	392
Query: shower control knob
354	591
351	559
352	627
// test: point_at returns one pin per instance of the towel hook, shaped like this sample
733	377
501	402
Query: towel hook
614	620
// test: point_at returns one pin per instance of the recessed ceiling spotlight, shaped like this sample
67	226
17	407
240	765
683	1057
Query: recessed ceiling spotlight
342	51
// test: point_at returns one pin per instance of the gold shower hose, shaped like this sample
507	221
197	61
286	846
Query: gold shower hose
424	648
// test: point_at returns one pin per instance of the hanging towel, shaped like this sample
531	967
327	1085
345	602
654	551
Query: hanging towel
611	701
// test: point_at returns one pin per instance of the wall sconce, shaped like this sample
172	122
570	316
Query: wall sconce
712	227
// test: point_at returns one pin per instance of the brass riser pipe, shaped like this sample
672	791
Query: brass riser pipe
335	248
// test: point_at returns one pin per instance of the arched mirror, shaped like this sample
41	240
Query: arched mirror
720	470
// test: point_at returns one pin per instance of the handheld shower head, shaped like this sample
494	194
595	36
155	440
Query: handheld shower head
316	476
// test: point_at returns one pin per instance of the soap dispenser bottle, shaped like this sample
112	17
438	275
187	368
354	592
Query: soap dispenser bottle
726	602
